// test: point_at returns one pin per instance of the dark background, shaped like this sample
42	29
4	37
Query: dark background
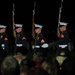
46	14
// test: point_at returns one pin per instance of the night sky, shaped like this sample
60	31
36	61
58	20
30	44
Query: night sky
46	14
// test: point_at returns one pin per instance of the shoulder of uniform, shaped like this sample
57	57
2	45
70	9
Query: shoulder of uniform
40	34
22	33
5	35
65	32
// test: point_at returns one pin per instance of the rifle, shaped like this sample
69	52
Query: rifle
60	10
33	23
14	32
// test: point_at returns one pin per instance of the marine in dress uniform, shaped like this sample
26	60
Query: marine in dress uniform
62	42
4	42
20	40
39	39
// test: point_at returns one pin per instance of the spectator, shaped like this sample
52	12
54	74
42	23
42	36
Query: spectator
24	67
10	66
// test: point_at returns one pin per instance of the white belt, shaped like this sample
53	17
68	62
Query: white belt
19	45
62	46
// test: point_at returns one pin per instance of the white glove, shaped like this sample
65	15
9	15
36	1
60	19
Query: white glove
45	45
2	45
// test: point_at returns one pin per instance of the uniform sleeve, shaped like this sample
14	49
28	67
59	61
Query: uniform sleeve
24	40
42	39
59	41
6	43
